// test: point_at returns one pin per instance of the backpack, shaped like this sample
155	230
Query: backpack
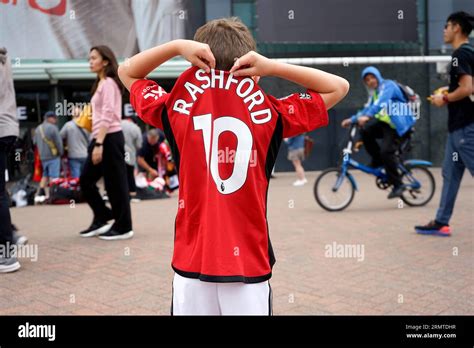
65	191
409	93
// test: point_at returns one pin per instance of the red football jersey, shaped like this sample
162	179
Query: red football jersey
224	134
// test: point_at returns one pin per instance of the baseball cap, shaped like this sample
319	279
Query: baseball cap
49	114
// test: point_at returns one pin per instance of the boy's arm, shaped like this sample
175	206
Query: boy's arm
332	88
141	64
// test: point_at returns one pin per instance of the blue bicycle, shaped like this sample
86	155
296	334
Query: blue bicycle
335	188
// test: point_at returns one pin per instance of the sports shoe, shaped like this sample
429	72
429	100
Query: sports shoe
115	235
95	229
434	228
40	196
18	239
300	182
9	264
40	199
396	192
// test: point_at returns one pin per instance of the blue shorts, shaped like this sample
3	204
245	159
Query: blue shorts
76	165
51	168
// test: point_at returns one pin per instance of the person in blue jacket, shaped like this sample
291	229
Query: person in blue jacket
387	116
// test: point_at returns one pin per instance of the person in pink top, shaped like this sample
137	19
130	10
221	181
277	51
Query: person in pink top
106	152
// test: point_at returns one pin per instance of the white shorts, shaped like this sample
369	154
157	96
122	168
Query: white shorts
195	297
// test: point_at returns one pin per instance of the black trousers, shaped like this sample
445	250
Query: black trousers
113	169
132	187
6	233
383	154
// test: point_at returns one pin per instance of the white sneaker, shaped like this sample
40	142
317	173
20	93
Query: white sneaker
40	199
114	235
9	264
18	239
95	230
300	182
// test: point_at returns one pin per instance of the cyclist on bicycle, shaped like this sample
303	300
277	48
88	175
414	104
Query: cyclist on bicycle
386	116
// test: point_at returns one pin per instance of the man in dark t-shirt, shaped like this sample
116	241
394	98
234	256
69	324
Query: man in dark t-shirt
460	101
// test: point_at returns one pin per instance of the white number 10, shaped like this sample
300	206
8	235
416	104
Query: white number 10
242	154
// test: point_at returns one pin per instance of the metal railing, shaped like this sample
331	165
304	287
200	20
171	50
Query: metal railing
79	70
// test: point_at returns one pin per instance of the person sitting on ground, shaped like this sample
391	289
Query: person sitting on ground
147	156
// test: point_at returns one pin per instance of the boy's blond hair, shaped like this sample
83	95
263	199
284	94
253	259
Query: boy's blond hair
228	39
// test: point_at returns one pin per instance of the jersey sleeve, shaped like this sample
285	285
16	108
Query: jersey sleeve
301	112
148	100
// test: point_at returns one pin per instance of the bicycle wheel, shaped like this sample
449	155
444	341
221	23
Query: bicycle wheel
326	195
417	197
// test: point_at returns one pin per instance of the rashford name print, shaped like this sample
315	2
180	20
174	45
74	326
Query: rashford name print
243	89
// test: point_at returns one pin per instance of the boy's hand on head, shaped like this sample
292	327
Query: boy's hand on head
252	64
198	54
143	63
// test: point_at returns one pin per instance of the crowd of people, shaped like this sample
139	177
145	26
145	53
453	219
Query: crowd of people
111	147
203	256
144	152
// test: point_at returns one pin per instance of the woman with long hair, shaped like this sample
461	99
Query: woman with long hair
106	152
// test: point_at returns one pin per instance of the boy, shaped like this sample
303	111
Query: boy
225	133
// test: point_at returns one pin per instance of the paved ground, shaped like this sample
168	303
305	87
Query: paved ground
400	272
